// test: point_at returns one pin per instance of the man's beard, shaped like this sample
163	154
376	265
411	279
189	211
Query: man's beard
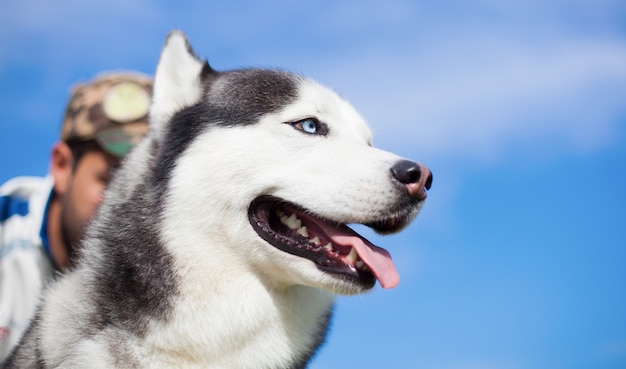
72	232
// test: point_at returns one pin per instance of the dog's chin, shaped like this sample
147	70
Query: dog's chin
332	246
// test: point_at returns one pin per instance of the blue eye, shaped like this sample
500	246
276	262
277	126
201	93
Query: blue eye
309	126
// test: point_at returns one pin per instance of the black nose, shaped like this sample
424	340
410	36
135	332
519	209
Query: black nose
416	177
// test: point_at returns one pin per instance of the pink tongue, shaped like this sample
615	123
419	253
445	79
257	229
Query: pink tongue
377	259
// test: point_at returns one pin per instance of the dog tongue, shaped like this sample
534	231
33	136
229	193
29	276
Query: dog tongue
377	259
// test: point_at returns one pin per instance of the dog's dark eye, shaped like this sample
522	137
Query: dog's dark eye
311	126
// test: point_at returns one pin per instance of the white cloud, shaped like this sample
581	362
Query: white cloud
483	93
469	79
70	32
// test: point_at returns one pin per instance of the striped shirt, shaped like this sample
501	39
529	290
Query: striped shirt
25	264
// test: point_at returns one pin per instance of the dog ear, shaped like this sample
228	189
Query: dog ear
177	81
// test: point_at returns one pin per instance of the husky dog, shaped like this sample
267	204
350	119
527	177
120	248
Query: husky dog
223	238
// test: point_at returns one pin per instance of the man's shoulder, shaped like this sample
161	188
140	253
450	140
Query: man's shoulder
24	187
22	204
16	193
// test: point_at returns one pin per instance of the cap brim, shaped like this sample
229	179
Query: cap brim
120	141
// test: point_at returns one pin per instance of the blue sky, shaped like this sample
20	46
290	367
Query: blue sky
518	260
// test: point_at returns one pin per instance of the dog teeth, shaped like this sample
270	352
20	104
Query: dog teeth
302	231
352	257
291	221
361	265
294	223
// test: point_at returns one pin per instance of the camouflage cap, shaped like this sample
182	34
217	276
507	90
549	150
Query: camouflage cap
112	109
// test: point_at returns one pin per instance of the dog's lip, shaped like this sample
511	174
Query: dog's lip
334	247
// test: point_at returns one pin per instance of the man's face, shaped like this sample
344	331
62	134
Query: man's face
84	194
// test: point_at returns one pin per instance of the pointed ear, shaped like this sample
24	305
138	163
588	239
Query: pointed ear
177	81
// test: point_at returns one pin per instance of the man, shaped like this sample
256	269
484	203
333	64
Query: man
43	219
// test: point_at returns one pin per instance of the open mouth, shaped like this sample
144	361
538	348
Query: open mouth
333	247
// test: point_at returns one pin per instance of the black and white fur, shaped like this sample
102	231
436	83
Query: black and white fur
185	265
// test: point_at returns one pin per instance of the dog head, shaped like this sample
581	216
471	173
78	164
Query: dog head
274	166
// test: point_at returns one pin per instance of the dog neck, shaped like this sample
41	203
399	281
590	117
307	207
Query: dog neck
247	326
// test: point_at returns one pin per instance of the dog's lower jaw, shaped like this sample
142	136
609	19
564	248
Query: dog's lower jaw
350	262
